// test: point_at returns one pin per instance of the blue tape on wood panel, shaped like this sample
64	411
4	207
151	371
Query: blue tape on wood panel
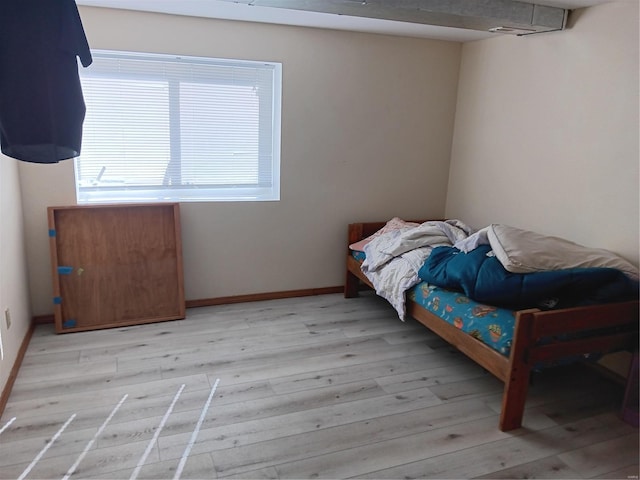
52	233
57	300
65	270
71	323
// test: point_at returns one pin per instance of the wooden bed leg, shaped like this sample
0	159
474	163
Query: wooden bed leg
351	285
351	282
517	382
513	399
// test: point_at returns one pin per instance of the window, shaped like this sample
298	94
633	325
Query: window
166	128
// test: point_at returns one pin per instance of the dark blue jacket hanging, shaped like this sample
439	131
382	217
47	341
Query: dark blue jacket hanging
41	104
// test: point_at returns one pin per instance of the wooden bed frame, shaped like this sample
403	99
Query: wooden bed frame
531	325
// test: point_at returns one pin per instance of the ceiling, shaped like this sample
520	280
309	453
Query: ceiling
230	10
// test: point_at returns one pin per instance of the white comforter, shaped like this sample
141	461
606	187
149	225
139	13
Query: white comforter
394	259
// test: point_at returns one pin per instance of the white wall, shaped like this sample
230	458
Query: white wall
367	123
14	293
546	131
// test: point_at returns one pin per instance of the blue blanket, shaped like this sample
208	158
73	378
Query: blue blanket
482	277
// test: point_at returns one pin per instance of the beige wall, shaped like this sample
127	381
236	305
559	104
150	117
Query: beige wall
546	131
546	138
14	293
367	123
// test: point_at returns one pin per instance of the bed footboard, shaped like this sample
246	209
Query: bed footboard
541	337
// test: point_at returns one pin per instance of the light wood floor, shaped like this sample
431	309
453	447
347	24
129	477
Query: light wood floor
316	387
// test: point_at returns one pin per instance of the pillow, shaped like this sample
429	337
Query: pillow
521	251
394	224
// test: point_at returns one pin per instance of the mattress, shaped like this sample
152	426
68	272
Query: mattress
490	325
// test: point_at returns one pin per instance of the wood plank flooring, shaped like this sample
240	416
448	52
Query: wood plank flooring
315	387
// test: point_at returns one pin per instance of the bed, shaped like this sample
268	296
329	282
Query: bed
539	337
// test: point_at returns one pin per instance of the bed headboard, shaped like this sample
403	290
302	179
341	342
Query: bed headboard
358	231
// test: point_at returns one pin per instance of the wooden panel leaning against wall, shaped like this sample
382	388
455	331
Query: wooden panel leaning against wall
116	265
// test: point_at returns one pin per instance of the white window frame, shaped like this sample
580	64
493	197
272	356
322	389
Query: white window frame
267	188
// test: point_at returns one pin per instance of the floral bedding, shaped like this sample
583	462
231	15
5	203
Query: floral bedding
492	326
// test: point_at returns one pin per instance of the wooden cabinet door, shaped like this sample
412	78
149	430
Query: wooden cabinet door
116	265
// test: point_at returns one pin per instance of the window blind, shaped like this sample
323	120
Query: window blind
173	128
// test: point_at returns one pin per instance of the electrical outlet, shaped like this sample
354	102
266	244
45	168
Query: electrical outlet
7	318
